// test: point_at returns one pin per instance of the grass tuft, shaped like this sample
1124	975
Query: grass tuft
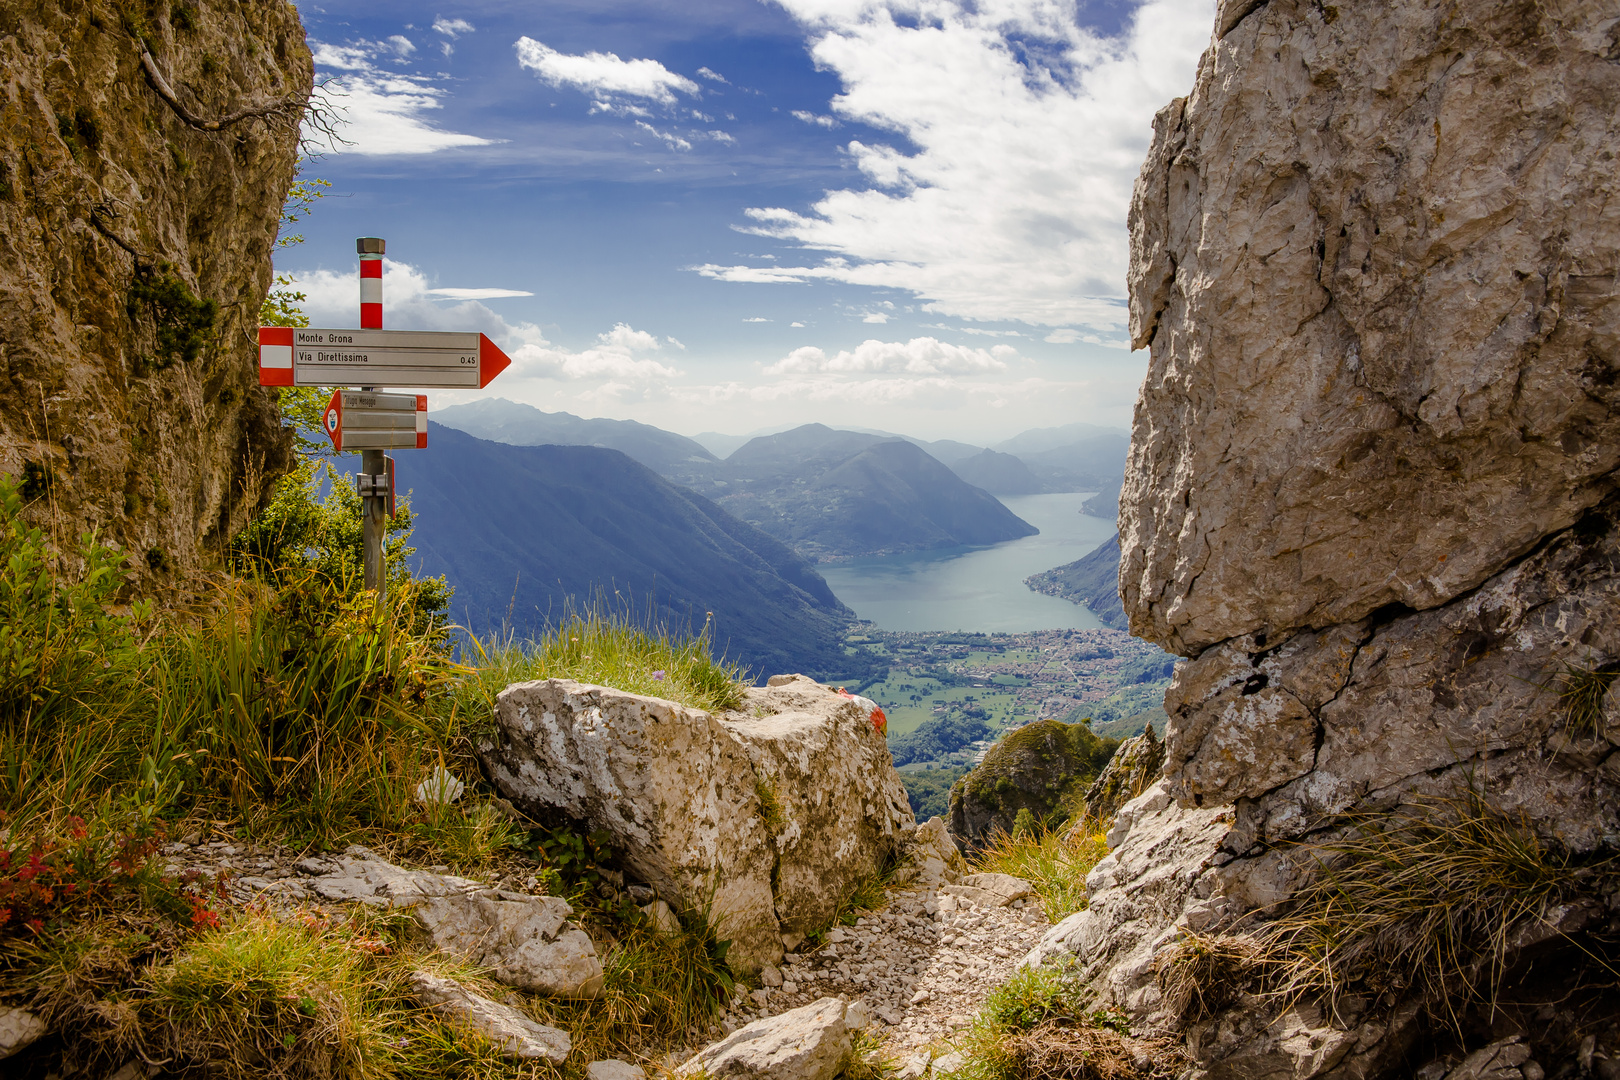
1201	974
1035	1026
1054	862
605	650
1581	691
1427	901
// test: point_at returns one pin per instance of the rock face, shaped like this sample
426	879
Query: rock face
1153	878
19	1029
763	818
1035	768
1374	257
122	223
1372	488
1134	768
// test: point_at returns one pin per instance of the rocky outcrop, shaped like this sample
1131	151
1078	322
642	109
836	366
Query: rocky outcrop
1040	768
1153	881
136	253
1134	768
1374	257
1372	487
762	819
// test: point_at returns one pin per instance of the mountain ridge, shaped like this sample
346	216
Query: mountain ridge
523	532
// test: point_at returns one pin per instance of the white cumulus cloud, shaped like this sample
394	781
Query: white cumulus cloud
383	112
920	356
621	358
712	75
452	28
1023	133
603	73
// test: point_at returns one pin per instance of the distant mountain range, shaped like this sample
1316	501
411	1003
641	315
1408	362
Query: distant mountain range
832	493
829	493
1074	457
664	452
1092	581
522	531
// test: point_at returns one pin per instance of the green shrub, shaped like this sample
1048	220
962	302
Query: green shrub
183	321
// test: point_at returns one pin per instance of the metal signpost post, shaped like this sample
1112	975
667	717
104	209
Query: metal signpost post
367	360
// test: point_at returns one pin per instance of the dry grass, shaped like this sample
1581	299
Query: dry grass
1054	862
1200	975
1063	1050
1424	901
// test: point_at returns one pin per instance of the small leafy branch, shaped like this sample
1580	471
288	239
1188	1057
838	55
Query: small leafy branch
97	867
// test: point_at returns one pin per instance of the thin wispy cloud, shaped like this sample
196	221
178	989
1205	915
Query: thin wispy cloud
1023	134
603	73
452	29
712	76
920	356
675	142
477	294
812	118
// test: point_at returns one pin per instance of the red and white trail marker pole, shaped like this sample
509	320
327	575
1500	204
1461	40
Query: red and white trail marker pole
370	250
374	471
369	359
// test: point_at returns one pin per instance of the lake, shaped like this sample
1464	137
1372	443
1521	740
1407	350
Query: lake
977	588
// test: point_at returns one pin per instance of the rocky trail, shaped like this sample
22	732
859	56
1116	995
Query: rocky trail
920	968
923	966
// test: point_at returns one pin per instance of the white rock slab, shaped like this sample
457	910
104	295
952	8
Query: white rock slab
516	1034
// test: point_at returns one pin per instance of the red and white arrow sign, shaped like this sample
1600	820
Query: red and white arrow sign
366	421
309	356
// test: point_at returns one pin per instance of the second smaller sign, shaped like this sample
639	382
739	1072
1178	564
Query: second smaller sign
362	420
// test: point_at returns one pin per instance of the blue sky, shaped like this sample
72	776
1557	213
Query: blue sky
731	214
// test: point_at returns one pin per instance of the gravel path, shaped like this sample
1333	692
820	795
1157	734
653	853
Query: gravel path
923	966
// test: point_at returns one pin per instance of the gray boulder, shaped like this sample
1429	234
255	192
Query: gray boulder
763	818
523	940
808	1043
19	1029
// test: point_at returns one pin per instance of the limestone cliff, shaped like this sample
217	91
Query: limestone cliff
134	252
1372	488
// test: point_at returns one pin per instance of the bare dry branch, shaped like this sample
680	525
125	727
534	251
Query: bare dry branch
282	108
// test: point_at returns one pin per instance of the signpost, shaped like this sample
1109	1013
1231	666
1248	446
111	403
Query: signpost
292	356
361	420
366	360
